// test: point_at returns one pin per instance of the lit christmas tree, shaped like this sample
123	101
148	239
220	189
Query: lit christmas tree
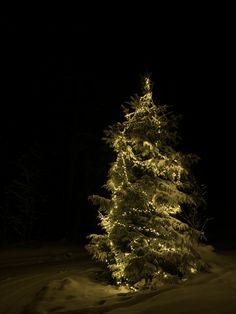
149	236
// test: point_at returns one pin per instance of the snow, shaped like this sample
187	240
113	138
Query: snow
60	278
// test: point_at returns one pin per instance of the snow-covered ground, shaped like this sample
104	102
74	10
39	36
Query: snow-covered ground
60	278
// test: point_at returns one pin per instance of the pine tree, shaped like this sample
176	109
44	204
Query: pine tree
147	239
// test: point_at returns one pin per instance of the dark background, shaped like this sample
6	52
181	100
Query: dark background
63	82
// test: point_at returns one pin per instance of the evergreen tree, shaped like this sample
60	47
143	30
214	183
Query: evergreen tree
146	240
25	201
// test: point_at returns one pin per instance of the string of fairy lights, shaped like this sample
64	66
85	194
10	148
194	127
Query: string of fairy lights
166	169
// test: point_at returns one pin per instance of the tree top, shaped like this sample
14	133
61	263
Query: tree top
147	90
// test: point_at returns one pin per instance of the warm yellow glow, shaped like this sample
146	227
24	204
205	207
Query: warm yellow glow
148	144
193	270
147	84
145	183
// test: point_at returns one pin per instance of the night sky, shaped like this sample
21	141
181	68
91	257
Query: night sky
63	82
